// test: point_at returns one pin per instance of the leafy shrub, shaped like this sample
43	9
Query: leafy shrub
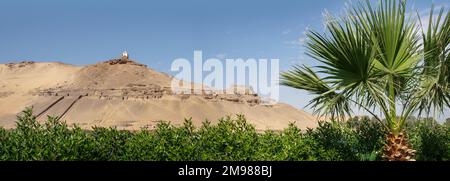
431	140
370	136
230	139
359	138
447	122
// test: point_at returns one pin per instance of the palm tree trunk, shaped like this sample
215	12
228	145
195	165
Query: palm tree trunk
392	118
397	147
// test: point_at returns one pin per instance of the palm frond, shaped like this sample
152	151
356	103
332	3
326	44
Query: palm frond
346	56
327	102
374	58
434	90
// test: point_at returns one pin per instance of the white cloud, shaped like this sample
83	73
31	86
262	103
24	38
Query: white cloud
221	56
301	40
299	60
296	43
286	31
425	16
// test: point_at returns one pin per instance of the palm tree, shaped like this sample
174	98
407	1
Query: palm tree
378	58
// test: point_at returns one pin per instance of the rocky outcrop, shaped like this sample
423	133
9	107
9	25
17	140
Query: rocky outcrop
20	64
122	92
124	60
151	91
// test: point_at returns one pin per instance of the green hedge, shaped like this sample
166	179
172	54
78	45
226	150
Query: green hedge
230	139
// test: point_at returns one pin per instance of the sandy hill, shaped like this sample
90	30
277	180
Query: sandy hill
127	95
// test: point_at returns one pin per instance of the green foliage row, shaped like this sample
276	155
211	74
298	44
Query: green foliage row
230	139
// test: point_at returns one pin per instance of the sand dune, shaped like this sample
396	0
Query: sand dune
127	95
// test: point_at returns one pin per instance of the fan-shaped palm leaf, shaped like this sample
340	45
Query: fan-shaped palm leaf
434	90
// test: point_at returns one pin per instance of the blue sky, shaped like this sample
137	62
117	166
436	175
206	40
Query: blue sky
157	32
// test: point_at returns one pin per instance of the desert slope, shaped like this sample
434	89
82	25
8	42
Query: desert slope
127	95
